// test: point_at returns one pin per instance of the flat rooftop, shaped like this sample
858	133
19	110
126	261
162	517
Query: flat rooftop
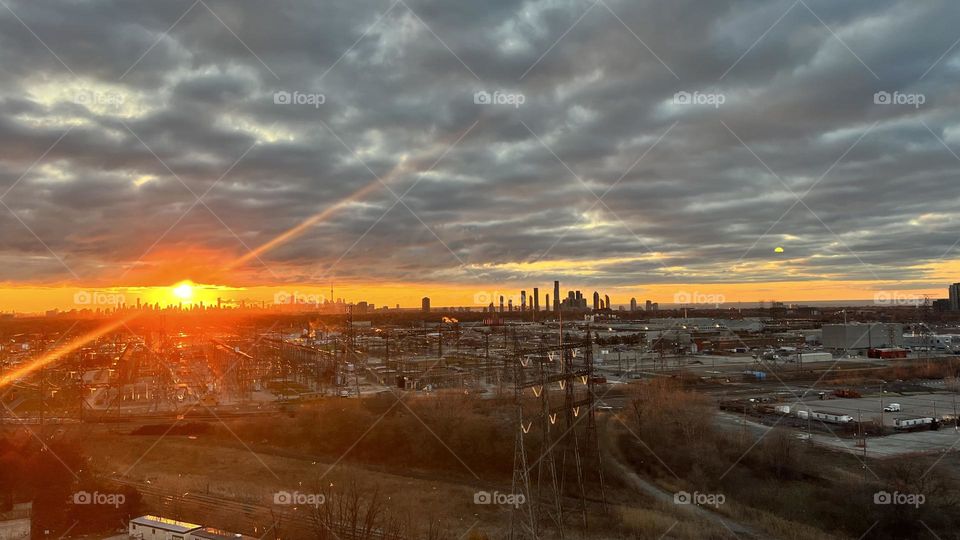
165	524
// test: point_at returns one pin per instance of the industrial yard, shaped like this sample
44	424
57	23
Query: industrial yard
151	407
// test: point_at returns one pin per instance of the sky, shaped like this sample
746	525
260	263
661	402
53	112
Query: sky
749	150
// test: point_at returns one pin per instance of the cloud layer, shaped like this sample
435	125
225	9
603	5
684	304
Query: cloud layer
117	116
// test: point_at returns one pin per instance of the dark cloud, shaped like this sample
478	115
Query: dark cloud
165	105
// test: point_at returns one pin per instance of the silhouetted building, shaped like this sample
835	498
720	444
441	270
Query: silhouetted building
955	297
596	301
425	305
556	296
536	299
633	304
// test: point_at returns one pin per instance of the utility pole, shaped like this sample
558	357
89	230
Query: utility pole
956	421
881	408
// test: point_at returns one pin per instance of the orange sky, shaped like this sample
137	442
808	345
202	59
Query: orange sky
153	280
35	299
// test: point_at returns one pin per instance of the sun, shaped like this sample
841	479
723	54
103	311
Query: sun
183	290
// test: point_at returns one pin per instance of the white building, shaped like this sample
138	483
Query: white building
158	528
932	342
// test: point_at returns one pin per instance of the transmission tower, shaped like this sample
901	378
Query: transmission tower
553	392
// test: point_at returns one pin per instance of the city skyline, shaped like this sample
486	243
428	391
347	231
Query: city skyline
38	300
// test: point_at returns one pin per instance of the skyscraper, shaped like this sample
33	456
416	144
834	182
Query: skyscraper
501	303
649	305
425	305
556	296
523	301
633	304
955	297
606	301
536	299
596	301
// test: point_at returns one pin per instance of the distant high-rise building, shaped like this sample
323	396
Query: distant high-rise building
649	306
596	301
606	301
955	297
546	301
523	301
633	304
501	303
536	299
510	305
425	305
556	296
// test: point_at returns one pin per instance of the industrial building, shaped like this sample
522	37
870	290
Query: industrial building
862	336
932	342
159	528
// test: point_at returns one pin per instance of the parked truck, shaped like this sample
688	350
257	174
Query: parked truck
893	407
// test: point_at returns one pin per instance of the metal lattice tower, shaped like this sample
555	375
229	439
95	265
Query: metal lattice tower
556	385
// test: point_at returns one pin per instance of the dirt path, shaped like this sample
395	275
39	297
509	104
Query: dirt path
613	459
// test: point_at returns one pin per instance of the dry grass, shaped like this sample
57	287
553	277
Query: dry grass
179	464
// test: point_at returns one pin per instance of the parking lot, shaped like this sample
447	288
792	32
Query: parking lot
870	408
946	439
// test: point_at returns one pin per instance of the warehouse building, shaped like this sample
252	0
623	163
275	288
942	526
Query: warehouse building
158	528
862	336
